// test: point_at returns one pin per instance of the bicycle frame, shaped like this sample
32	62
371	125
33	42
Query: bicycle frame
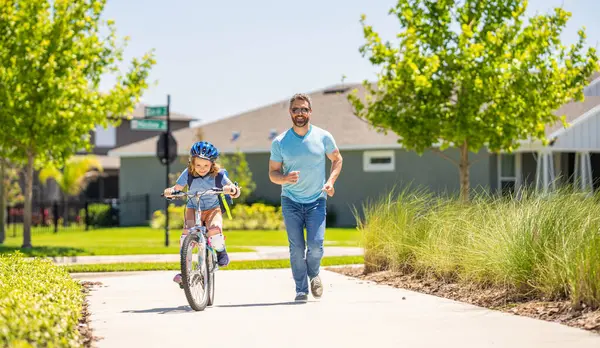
207	256
198	228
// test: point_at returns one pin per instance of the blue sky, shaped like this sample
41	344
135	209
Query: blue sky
217	59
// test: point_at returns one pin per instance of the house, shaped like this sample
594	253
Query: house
103	140
374	162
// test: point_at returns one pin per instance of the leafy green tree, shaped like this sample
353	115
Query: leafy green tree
471	74
73	178
239	171
53	55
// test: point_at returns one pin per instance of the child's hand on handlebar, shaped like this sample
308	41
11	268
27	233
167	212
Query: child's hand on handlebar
232	190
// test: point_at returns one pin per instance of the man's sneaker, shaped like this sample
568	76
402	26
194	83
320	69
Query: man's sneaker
316	287
222	258
301	297
177	279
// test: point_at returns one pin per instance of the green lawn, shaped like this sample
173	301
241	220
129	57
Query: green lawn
145	240
233	265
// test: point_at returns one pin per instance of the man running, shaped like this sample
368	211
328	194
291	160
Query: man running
297	163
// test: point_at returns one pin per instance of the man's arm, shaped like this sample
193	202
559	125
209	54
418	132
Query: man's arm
336	165
336	168
275	174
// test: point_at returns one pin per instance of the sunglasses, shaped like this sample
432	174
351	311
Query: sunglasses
300	110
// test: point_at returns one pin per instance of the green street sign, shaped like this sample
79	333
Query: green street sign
154	111
149	125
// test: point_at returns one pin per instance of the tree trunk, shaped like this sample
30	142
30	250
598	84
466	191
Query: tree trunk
2	202
28	197
66	210
464	172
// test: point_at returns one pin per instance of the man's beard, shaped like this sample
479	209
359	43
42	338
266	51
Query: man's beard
300	121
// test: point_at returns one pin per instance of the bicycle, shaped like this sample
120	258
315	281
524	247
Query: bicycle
199	279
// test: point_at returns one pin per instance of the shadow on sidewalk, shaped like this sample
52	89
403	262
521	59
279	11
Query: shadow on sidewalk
261	304
185	309
180	309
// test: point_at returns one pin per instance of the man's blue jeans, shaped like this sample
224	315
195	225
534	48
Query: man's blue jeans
296	217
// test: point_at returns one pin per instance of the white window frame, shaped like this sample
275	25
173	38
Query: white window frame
379	167
518	172
108	136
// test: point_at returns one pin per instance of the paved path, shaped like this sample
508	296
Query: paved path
261	253
253	309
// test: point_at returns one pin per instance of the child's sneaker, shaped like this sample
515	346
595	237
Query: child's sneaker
177	279
222	258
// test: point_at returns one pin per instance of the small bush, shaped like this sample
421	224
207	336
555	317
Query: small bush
540	246
40	305
257	216
176	217
99	215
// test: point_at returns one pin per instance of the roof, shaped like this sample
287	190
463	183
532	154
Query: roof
331	111
573	111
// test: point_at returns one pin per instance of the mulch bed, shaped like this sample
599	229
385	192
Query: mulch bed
87	335
493	298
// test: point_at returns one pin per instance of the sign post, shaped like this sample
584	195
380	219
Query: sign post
166	146
167	172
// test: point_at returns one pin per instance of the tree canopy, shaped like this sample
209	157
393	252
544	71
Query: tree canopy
471	74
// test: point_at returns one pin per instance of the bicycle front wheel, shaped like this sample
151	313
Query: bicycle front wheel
211	265
194	272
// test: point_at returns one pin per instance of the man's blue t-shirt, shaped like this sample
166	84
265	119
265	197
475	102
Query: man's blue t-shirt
306	154
207	182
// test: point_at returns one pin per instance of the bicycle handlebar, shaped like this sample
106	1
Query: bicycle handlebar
181	194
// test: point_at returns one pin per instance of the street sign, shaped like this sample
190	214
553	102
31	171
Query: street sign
161	152
149	125
154	111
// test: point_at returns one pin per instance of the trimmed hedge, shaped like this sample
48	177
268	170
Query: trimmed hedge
40	304
257	216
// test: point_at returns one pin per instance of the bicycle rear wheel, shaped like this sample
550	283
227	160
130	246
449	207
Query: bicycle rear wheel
195	275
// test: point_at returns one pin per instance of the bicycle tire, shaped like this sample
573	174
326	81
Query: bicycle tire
188	275
210	265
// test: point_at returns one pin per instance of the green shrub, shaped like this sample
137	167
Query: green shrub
541	246
257	216
40	305
239	171
176	217
98	215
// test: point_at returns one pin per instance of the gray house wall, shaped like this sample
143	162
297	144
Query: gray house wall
145	175
581	135
430	171
140	176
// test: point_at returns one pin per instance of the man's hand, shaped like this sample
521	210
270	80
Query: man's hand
292	177
328	187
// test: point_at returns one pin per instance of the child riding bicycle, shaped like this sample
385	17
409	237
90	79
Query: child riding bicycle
202	174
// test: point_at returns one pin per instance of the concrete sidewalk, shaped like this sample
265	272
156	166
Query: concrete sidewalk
256	309
261	253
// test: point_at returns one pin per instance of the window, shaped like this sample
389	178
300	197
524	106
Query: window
379	161
509	172
106	137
